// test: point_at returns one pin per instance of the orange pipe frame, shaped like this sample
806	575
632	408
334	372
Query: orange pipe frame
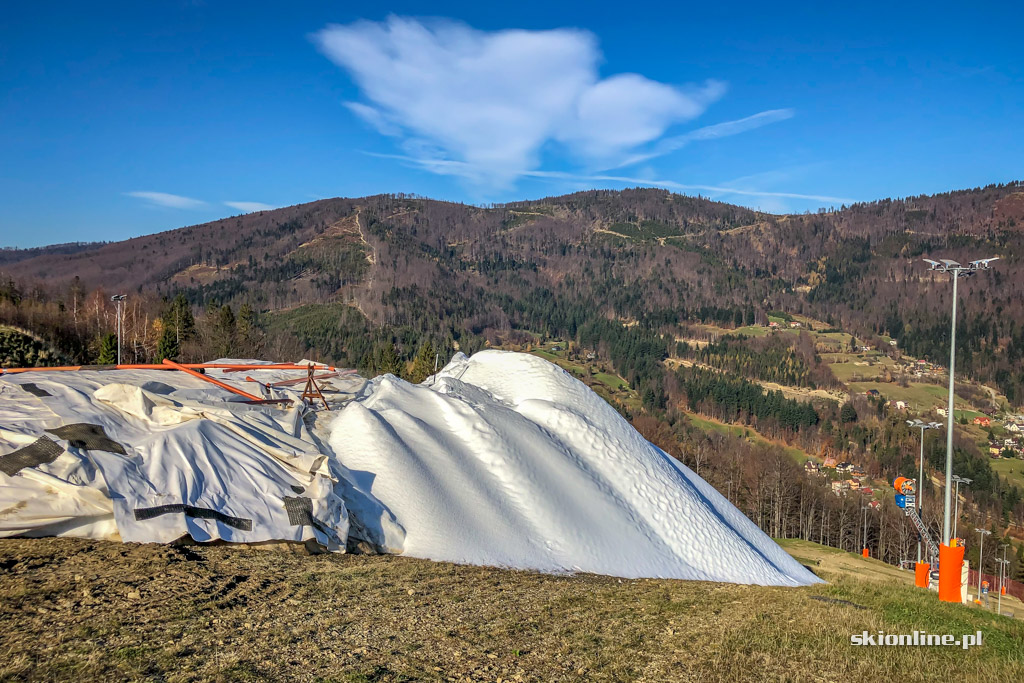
175	366
222	385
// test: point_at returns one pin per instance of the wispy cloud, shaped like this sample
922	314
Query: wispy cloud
164	199
493	100
712	132
462	169
249	207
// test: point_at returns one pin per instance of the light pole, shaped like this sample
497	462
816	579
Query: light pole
981	555
118	300
1002	575
956	508
958	271
865	508
920	424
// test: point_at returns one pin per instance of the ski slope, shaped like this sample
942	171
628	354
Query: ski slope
505	459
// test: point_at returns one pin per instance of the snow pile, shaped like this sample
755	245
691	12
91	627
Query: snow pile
500	459
505	459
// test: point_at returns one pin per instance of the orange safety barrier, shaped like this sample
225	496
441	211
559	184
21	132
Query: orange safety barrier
211	380
921	572
951	564
865	553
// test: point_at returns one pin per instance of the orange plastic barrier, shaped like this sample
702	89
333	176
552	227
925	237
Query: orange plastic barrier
951	563
921	572
865	553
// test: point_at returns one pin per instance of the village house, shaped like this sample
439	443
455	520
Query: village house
872	392
811	467
898	405
773	324
844	467
794	323
982	420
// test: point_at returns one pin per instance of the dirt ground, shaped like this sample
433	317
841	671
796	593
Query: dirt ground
86	610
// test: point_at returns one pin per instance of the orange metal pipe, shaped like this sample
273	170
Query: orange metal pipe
211	380
154	366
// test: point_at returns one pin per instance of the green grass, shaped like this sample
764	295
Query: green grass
920	395
749	433
1011	469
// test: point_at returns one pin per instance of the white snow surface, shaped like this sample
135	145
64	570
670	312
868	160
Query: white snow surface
505	459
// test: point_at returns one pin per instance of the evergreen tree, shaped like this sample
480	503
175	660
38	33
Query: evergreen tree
423	366
848	413
167	346
248	333
108	350
386	360
224	332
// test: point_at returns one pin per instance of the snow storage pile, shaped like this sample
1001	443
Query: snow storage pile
151	456
500	459
504	459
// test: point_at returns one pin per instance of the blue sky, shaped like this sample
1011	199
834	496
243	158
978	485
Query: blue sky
120	119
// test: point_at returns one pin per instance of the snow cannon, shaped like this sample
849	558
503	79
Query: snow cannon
904	485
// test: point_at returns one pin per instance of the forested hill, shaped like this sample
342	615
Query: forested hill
646	259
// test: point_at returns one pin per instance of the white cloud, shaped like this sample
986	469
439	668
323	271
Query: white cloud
172	201
491	101
249	207
712	132
464	170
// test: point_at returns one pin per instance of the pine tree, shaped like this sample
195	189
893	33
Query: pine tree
167	346
386	360
423	366
108	350
224	331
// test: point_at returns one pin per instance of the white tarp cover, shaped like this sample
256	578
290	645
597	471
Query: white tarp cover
505	459
195	462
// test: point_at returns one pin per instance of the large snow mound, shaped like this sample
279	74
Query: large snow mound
505	459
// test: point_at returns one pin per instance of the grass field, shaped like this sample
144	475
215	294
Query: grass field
751	434
96	611
1012	469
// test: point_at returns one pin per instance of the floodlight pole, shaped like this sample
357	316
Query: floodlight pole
981	555
1002	576
920	471
956	508
956	270
118	299
864	541
949	420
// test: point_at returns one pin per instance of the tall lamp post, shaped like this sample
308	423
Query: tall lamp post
118	299
956	508
981	555
1003	562
864	544
957	271
1002	574
920	424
